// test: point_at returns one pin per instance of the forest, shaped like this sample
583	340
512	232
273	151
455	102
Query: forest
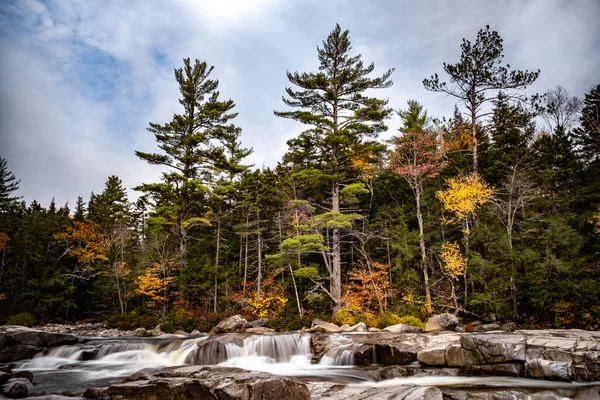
492	213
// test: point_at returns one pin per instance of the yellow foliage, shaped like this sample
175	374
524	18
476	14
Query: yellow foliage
453	261
266	306
152	285
345	316
462	197
271	300
596	221
85	242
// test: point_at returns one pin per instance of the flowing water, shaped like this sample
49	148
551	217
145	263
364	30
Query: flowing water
104	361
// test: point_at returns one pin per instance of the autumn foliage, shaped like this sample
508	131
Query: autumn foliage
462	197
368	289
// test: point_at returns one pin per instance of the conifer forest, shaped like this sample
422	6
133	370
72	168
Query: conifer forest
492	212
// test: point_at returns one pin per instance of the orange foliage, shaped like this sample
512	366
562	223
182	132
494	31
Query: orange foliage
596	221
153	284
3	240
271	300
87	244
367	289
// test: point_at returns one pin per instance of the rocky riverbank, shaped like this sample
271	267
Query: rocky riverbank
341	362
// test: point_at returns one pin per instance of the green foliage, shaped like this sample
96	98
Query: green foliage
287	319
307	273
345	316
180	319
350	193
132	321
22	319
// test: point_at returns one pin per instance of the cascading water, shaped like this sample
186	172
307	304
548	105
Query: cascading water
102	362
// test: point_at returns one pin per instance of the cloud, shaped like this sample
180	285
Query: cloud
81	80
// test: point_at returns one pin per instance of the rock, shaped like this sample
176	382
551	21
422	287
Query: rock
506	369
402	328
4	377
194	382
359	327
6	368
259	330
332	391
509	326
392	354
318	321
19	352
157	331
235	323
14	335
456	356
491	327
325	327
373	329
141	332
195	332
17	388
180	332
258	323
96	393
432	356
441	322
545	369
23	374
495	349
214	350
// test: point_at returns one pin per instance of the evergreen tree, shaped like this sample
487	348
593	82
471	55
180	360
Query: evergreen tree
342	118
189	151
478	72
8	184
79	209
587	136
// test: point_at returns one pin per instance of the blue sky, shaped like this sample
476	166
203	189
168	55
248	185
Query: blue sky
81	79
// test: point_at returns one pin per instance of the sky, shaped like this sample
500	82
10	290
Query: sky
81	79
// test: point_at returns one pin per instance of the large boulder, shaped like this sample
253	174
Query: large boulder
233	324
332	391
210	383
321	326
260	330
359	327
13	335
18	352
441	322
17	388
259	323
216	349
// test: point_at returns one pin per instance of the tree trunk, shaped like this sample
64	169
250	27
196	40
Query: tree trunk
336	265
473	100
245	265
217	266
295	290
466	238
259	275
423	250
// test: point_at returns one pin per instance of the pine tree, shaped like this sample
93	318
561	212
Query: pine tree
79	210
341	119
189	151
587	136
8	184
478	72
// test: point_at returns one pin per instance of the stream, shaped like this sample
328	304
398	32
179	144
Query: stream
100	362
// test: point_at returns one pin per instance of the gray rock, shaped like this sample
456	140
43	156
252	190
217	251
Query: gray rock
258	323
441	322
141	332
432	356
23	374
194	382
395	354
4	377
235	323
331	391
325	327
18	352
17	388
13	335
259	330
373	329
359	327
545	369
180	332
495	349
402	328
157	331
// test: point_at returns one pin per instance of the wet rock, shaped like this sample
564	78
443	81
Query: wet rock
441	322
391	354
4	377
17	388
215	349
402	328
553	370
195	332
456	356
506	369
96	393
258	323
5	368
235	323
432	356
23	374
195	382
329	391
495	349
180	332
260	330
19	352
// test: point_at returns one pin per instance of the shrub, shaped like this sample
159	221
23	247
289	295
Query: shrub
411	320
288	319
345	316
23	319
209	321
132	321
180	318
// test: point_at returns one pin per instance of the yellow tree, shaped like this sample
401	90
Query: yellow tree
453	265
85	242
460	201
153	284
368	289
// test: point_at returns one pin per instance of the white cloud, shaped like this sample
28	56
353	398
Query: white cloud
81	80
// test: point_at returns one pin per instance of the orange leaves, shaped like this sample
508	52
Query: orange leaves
87	244
153	285
367	289
4	239
462	197
453	260
595	221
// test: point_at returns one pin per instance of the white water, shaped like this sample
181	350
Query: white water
103	362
